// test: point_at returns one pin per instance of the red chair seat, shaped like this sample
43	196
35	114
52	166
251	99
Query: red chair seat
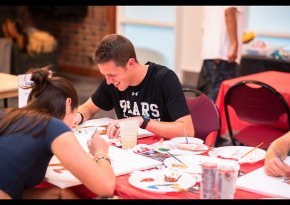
260	133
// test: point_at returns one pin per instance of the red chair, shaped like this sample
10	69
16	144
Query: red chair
205	116
259	105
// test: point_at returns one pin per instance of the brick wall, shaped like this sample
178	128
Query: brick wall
78	36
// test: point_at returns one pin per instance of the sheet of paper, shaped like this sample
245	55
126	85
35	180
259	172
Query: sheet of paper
258	181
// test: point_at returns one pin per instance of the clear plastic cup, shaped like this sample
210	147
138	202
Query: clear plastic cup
128	133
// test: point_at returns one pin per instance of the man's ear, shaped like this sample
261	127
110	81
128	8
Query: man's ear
131	62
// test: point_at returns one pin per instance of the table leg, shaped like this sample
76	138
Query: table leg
5	102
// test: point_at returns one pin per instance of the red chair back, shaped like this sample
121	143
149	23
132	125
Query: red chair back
256	103
204	114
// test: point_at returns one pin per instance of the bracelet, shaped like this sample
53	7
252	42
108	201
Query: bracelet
82	118
103	157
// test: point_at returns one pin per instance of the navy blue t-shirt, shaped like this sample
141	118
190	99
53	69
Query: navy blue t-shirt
158	96
24	159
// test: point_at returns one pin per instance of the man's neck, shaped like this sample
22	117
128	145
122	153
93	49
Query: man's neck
140	73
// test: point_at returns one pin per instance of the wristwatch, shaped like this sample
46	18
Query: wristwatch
146	119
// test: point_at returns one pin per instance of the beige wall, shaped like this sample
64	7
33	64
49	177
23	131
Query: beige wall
190	38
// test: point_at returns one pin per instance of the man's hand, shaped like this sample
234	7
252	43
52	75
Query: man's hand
233	54
113	130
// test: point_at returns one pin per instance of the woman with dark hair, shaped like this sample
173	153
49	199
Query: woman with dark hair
31	135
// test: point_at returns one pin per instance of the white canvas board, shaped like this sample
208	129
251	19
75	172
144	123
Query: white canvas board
123	162
97	122
23	81
259	182
105	121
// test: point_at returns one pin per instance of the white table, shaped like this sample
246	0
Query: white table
8	87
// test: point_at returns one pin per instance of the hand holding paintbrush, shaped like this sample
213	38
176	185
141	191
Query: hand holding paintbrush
98	145
276	166
276	160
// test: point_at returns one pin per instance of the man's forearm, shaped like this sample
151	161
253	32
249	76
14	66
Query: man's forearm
88	110
171	129
85	113
231	23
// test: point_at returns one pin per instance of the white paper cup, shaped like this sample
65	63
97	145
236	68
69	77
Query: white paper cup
128	133
227	183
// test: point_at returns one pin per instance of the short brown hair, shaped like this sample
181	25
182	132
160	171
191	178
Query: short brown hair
115	48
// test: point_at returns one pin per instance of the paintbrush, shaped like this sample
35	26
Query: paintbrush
174	157
252	150
78	128
88	126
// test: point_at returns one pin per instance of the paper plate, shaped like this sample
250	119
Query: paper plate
193	162
187	143
235	152
154	180
170	146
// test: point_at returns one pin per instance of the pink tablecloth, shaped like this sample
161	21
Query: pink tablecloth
278	80
125	191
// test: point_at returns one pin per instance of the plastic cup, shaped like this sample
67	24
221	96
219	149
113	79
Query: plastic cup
228	172
128	133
